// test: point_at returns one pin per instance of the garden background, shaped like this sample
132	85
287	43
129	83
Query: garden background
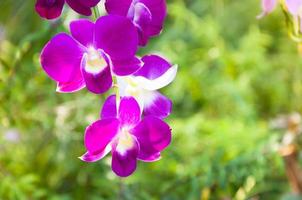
236	74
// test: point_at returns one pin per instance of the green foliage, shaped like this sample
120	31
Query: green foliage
235	74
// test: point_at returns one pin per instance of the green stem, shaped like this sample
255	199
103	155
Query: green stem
96	12
117	92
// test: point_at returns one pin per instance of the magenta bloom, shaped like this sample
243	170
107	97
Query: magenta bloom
147	15
267	7
155	74
87	57
50	9
127	136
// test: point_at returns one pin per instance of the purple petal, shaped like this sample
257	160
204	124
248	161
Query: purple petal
88	157
72	86
117	36
294	6
153	135
89	3
154	67
142	19
109	108
96	72
61	58
99	134
83	31
267	7
98	83
158	10
49	9
151	158
126	67
77	6
159	106
118	7
129	111
160	82
124	160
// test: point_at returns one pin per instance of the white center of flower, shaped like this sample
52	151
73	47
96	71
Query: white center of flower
125	141
95	62
132	87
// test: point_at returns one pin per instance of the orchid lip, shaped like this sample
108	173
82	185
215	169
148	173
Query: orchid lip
95	61
124	140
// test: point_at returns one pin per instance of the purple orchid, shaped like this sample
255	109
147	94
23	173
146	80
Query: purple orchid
155	73
267	7
91	54
147	15
127	136
51	9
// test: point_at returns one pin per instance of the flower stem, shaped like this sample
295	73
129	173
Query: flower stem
117	92
96	12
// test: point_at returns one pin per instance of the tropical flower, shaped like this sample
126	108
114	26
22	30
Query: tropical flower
267	7
155	73
86	57
147	15
127	136
50	9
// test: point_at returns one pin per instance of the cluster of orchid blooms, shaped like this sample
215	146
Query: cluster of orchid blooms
101	55
293	13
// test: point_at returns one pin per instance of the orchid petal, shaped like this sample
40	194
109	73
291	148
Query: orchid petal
109	108
99	134
129	111
77	6
89	3
61	58
154	66
49	9
126	67
117	36
294	6
83	31
72	86
153	135
118	7
124	160
158	10
151	158
88	157
159	82
142	19
98	78
157	105
267	7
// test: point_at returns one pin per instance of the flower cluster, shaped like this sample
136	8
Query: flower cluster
292	10
101	55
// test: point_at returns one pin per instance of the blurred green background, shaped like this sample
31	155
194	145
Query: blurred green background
236	73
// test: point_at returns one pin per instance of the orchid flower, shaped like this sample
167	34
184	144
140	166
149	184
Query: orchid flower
267	7
147	15
51	9
155	73
91	53
127	136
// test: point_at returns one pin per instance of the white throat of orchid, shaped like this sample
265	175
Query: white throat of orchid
124	141
95	62
132	87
